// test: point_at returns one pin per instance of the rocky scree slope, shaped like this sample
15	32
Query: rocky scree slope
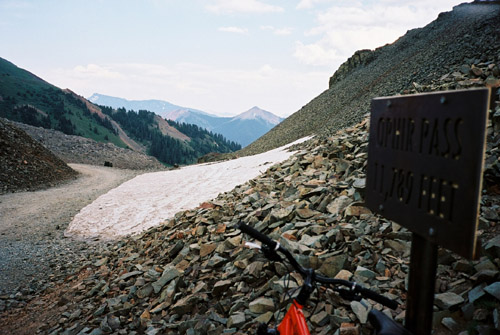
467	35
81	150
192	274
25	165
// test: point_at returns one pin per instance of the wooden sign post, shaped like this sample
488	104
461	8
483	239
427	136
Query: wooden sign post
425	164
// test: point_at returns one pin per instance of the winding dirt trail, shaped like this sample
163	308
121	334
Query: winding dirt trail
29	211
32	244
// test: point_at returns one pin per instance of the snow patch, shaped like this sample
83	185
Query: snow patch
152	198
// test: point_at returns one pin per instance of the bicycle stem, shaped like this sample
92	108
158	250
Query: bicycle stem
307	288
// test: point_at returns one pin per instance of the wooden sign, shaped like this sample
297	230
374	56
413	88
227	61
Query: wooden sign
425	164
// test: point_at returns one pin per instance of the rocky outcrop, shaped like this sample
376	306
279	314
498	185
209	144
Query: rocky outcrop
360	58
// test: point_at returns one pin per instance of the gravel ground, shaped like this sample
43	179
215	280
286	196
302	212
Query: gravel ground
33	250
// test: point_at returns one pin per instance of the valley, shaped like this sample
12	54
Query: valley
26	98
190	273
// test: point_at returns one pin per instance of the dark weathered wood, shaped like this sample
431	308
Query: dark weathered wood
425	164
422	280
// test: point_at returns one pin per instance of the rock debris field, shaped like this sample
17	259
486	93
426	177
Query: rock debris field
192	275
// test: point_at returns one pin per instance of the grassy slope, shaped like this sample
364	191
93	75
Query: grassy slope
27	89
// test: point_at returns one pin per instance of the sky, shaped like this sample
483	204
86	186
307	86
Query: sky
219	56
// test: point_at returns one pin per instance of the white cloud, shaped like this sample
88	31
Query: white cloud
237	30
267	71
95	71
316	54
278	31
306	4
349	26
283	31
242	6
372	16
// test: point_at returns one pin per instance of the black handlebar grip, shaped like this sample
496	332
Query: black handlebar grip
392	304
256	235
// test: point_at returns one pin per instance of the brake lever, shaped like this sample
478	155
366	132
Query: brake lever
271	254
348	294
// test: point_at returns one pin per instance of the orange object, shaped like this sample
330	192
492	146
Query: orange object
294	322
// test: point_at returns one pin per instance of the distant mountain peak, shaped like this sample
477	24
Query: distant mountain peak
243	128
255	113
93	98
177	114
160	107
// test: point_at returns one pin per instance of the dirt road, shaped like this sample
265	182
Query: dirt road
33	249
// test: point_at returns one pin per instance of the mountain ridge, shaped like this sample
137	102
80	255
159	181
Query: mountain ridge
159	107
252	123
28	99
256	112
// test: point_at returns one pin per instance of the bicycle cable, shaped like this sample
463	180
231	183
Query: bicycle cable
288	293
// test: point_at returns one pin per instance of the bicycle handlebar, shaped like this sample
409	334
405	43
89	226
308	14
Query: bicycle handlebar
275	246
257	235
392	304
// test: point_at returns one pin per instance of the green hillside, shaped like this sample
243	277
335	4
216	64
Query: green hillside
28	99
143	128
